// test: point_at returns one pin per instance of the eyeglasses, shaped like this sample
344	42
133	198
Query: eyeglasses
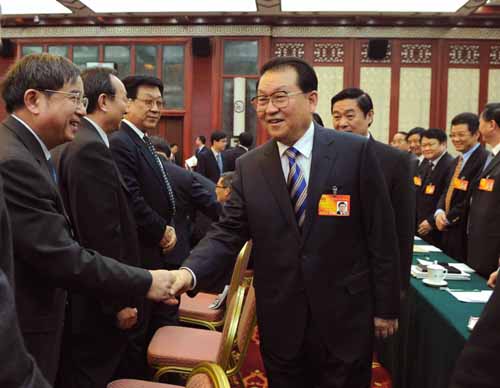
77	98
279	99
150	103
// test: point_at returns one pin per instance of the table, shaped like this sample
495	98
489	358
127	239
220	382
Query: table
433	331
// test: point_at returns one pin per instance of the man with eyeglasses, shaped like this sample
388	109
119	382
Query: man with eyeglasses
325	283
46	111
152	197
96	199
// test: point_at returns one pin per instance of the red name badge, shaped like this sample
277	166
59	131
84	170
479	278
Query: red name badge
486	184
429	189
460	184
417	181
334	205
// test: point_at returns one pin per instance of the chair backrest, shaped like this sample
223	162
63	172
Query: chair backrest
246	326
239	269
233	314
208	375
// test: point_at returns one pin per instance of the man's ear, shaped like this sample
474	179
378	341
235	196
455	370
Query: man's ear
102	102
33	100
369	116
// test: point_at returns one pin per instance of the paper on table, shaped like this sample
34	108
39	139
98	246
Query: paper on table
472	296
419	249
462	267
430	248
418	238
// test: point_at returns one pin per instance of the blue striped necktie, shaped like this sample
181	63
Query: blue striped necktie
297	186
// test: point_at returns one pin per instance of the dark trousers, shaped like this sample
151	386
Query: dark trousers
315	366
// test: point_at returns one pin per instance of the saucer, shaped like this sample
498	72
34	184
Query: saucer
442	283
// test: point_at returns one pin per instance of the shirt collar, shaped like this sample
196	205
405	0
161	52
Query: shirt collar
436	161
135	129
303	145
44	147
214	152
467	154
99	130
495	150
245	148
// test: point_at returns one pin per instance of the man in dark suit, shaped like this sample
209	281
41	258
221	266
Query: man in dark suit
190	196
352	111
199	142
483	242
211	161
433	183
17	369
43	94
452	208
151	196
324	283
245	140
95	197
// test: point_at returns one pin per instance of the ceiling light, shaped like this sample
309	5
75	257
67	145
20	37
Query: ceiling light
371	6
154	6
30	7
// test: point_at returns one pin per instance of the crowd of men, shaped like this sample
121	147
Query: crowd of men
102	231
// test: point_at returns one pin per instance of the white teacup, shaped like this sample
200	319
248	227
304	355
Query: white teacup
436	273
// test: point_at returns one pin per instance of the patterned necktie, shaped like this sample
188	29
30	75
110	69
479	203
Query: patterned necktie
52	170
451	186
218	158
171	198
297	186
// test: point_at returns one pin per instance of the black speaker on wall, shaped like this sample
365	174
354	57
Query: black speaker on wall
377	48
201	47
7	48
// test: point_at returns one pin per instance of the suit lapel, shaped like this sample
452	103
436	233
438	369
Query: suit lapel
323	158
491	166
145	154
273	173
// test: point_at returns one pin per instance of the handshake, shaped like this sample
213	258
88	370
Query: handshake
166	285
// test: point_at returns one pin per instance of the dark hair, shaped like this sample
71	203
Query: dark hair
133	82
415	131
435	133
97	81
245	139
362	98
161	145
470	119
174	145
227	178
492	112
306	76
317	118
405	134
203	139
36	71
217	136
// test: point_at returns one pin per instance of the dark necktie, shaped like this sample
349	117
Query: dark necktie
52	170
168	186
297	186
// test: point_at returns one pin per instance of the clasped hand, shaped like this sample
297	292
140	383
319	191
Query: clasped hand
166	285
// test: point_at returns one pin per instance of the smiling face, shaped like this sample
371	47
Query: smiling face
60	114
414	144
432	148
144	111
462	139
289	123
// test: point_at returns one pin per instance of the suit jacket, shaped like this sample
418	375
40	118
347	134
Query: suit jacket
230	157
190	196
148	195
96	199
340	271
46	257
454	237
397	169
483	240
427	203
207	164
477	365
17	369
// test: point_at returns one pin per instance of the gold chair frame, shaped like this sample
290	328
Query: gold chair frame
237	278
214	372
227	341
